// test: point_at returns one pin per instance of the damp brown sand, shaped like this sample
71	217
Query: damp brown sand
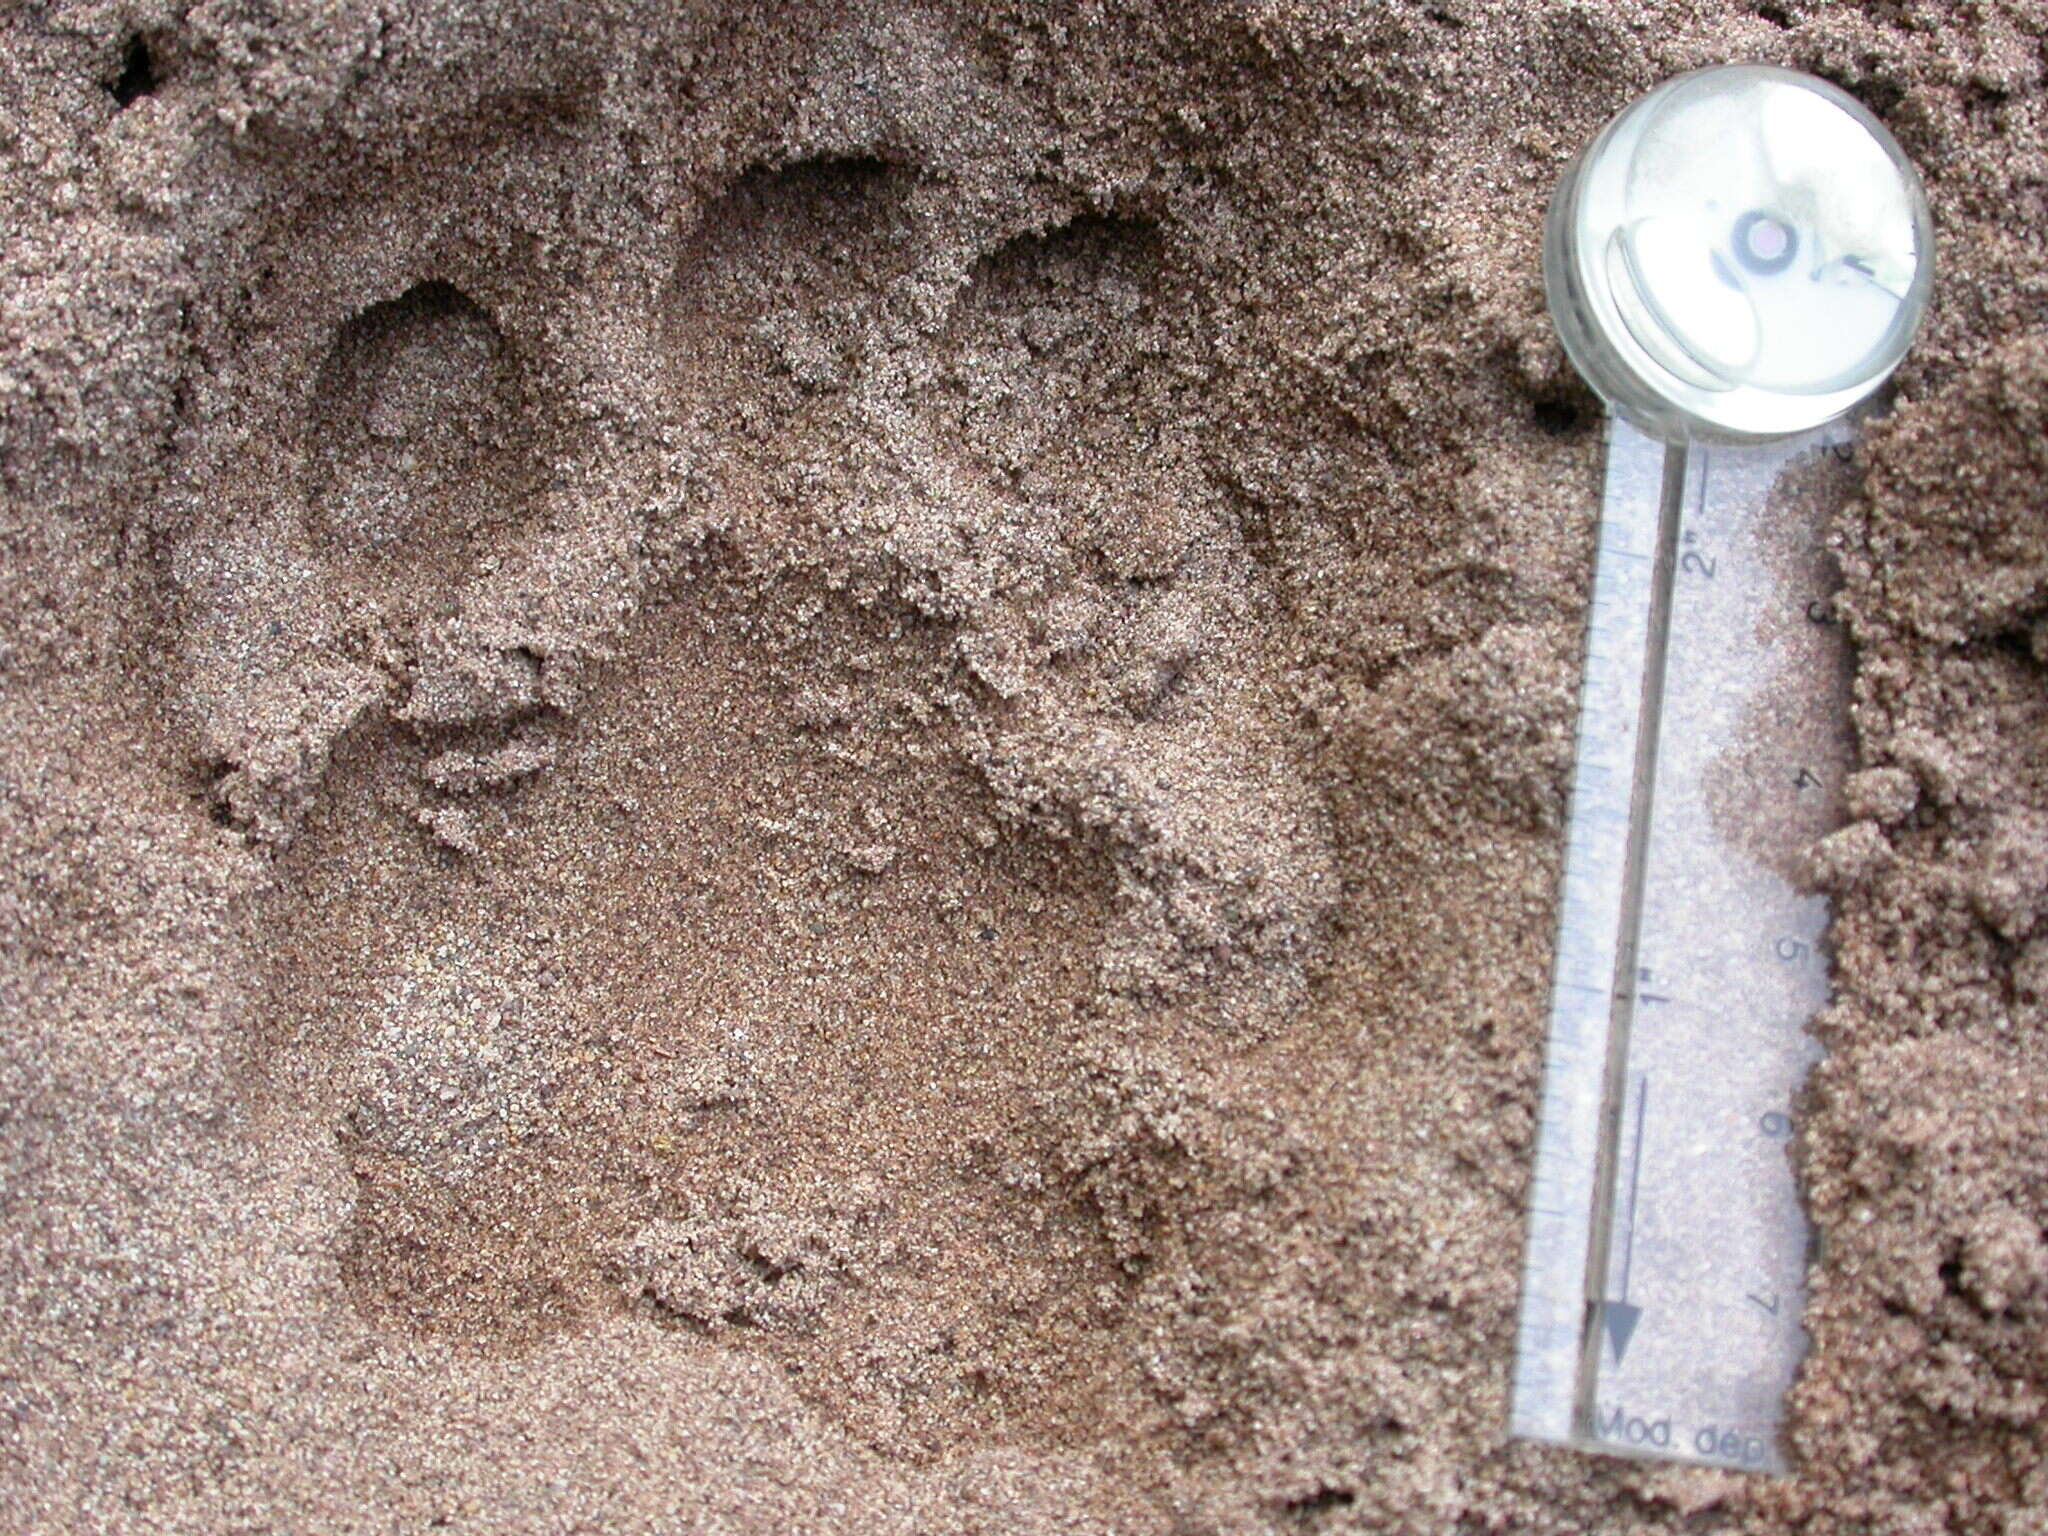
802	770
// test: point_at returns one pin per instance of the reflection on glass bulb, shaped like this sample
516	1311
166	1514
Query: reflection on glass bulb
1743	253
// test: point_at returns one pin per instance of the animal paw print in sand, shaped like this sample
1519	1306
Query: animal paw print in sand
816	884
743	933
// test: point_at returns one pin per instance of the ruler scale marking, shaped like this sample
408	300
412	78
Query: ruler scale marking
1666	1245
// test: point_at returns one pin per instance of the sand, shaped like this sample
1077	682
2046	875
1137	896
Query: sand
800	768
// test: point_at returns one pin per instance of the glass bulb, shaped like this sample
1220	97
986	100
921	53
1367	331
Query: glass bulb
1742	254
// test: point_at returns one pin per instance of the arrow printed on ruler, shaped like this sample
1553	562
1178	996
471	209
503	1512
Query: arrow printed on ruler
1619	1317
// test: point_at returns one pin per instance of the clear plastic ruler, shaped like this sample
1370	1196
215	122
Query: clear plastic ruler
1665	1272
